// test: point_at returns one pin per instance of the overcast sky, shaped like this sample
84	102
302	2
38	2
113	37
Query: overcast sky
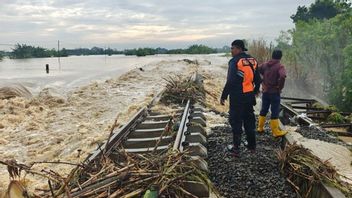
138	23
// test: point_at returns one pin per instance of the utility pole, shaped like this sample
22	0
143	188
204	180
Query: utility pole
105	54
58	54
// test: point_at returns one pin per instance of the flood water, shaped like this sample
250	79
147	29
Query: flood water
72	71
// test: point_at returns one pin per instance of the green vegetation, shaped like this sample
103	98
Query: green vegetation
193	49
336	118
349	118
321	9
27	51
225	49
199	49
331	108
318	105
92	51
141	52
318	51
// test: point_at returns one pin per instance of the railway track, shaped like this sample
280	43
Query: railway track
310	112
161	150
146	132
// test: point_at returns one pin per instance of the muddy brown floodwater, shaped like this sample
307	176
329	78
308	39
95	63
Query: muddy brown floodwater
51	126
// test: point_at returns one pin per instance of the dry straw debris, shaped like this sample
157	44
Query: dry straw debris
124	175
179	89
304	170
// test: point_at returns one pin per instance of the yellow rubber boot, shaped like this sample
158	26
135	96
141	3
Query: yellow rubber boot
261	122
275	128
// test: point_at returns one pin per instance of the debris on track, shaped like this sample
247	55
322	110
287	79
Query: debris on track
179	90
304	170
127	175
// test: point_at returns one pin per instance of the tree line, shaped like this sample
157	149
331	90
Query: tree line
3	54
318	51
21	51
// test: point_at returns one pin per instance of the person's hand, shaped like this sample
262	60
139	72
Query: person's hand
222	101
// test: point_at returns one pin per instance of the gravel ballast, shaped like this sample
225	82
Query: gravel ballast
251	175
314	133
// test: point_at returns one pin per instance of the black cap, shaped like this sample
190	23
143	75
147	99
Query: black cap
239	44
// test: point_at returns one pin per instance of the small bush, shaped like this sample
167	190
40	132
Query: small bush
336	118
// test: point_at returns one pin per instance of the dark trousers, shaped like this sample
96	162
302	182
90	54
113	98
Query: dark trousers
271	100
242	114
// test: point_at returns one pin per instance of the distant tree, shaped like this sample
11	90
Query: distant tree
96	51
161	50
177	51
2	55
63	52
225	49
130	52
200	49
302	14
140	52
92	51
109	51
321	9
318	54
27	51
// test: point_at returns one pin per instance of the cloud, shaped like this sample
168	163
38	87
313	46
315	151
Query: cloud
134	23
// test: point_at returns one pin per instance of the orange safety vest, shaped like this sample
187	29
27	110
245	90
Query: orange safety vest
246	68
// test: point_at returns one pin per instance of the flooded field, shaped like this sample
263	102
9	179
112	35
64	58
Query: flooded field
75	71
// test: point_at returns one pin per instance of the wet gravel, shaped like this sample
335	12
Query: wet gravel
314	133
251	175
